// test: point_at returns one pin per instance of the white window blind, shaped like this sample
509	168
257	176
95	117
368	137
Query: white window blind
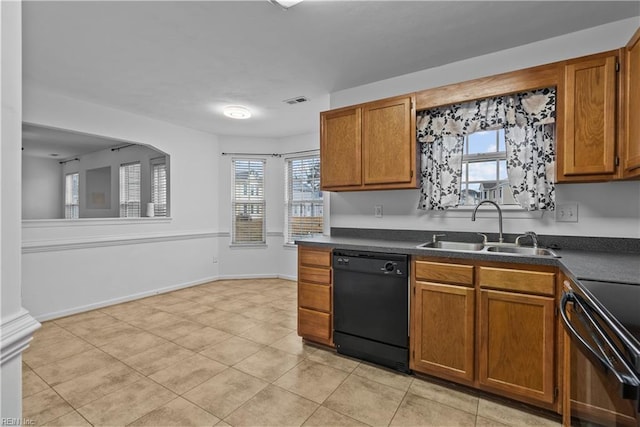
248	202
303	198
130	190
72	196
159	186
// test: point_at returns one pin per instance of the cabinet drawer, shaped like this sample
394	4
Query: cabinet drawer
314	257
314	324
317	297
441	272
313	274
537	282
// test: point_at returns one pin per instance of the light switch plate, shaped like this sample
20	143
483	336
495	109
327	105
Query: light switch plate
377	211
567	212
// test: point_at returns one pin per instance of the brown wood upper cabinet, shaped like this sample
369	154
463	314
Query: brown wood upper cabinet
631	81
369	146
587	119
598	110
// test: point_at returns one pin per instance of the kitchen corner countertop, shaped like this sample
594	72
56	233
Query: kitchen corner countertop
618	267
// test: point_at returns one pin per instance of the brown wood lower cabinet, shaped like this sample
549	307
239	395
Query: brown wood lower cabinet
314	325
315	305
443	330
487	325
517	344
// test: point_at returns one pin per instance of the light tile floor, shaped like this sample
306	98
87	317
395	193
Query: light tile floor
225	353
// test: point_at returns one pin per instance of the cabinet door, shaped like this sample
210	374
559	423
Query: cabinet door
340	148
517	345
443	337
631	153
587	149
389	143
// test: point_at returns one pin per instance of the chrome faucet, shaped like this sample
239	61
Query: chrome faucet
534	238
473	216
434	238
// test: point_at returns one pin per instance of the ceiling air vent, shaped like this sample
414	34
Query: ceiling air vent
296	100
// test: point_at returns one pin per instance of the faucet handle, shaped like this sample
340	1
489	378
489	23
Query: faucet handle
434	238
532	235
484	238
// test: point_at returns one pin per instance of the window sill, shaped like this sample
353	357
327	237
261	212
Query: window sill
248	246
42	223
290	246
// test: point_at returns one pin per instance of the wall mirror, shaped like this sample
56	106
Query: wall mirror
73	175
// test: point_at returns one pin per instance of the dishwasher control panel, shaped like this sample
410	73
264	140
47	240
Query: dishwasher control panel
371	262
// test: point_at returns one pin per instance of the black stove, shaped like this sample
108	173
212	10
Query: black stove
603	321
622	302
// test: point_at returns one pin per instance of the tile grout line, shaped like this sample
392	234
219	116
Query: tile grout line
143	330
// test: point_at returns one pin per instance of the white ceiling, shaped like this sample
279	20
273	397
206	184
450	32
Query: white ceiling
182	61
61	144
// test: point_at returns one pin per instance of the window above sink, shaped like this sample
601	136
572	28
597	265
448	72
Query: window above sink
484	170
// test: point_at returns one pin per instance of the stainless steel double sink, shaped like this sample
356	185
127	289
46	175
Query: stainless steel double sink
498	248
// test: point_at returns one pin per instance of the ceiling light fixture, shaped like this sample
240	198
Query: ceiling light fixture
285	4
236	112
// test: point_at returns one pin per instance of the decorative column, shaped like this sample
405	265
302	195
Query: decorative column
16	325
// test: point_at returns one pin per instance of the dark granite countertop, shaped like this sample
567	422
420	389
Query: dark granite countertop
607	266
601	266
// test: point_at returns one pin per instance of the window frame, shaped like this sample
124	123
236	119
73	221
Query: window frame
234	203
71	206
288	200
497	157
120	186
153	163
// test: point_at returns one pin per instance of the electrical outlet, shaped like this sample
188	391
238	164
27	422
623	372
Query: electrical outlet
567	212
377	211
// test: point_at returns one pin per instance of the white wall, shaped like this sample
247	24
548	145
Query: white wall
275	259
609	209
70	266
42	188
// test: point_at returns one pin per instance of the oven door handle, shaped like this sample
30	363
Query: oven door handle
630	385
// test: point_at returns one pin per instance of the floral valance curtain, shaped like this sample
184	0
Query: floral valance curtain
530	142
528	119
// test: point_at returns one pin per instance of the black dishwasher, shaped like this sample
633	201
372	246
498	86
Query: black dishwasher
371	307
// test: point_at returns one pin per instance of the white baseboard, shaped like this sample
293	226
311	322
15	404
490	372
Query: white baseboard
256	276
247	276
132	297
127	298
